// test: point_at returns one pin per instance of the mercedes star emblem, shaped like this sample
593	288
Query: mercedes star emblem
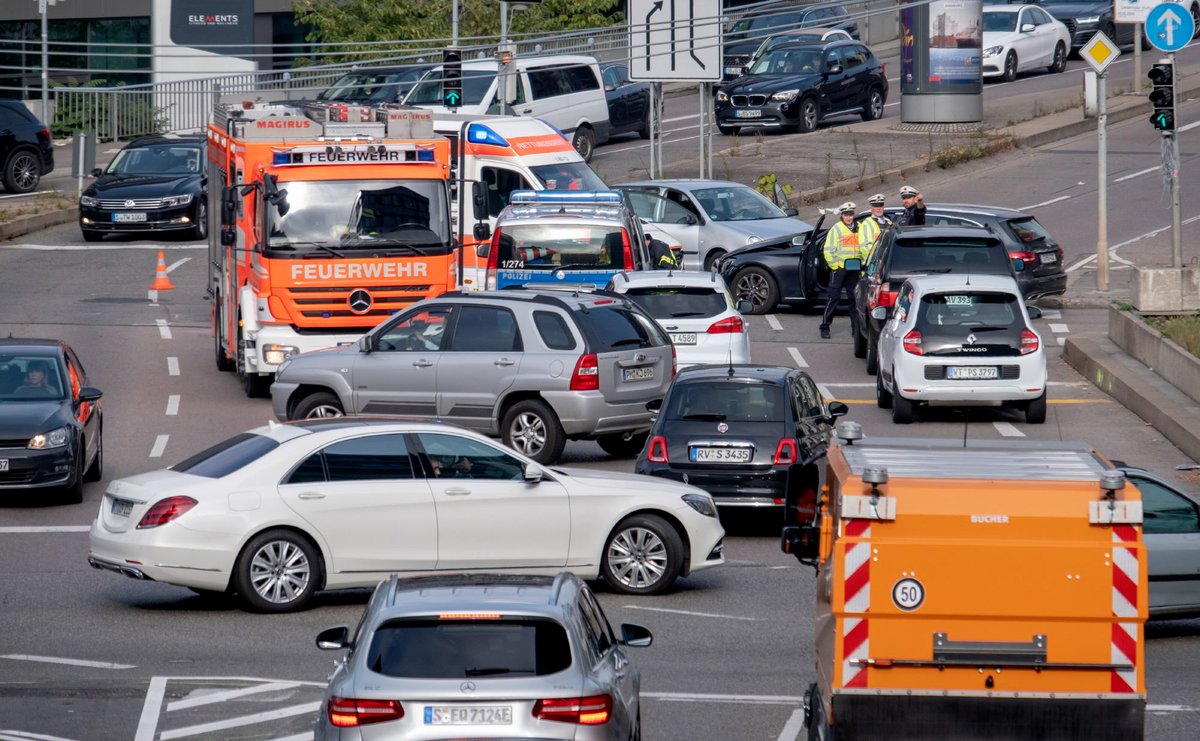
467	687
360	301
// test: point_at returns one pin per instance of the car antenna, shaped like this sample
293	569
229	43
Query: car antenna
731	361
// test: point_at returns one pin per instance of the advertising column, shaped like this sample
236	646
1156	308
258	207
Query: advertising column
198	39
941	53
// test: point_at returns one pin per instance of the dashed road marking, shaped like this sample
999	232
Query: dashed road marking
1043	203
735	699
1051	314
177	263
160	446
797	358
1139	173
164	331
1058	328
794	726
689	612
68	662
1006	429
172	405
172	366
774	322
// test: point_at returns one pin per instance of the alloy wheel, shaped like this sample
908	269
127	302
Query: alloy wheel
638	557
25	172
528	433
280	572
753	288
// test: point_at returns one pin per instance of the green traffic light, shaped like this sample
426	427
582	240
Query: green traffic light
453	98
1163	121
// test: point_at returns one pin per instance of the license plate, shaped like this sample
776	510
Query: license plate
721	455
959	300
688	338
129	217
1049	257
754	113
475	715
3	464
972	372
733	70
122	507
645	373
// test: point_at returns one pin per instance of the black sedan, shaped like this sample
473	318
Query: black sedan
1083	18
795	86
752	436
51	423
628	101
154	184
789	270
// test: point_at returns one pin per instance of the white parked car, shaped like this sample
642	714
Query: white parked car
1020	38
960	339
696	310
277	513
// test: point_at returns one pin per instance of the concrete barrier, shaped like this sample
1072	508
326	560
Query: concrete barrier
1148	346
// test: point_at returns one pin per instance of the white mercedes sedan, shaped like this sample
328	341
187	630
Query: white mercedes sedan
280	512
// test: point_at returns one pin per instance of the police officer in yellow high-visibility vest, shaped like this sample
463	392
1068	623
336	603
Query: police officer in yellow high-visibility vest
843	242
873	225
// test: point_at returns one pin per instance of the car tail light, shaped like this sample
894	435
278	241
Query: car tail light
658	450
785	452
1025	256
674	361
912	343
627	251
884	297
347	712
1058	251
44	133
1029	342
493	262
592	710
730	325
165	510
586	376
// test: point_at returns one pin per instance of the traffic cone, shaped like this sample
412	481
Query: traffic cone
161	281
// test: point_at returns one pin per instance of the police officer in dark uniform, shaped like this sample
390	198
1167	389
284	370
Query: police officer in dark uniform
914	207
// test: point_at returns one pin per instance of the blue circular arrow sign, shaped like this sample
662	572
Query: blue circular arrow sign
1169	27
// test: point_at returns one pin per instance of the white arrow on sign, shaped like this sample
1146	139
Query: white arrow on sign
1169	21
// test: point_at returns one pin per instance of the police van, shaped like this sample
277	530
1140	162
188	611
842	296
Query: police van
580	238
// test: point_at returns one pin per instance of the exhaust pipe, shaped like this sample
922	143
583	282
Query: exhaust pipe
129	571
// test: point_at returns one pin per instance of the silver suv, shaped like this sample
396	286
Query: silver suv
534	367
501	656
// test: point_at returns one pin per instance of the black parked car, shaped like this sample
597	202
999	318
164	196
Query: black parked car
914	250
154	184
789	270
628	101
375	86
26	150
749	27
751	436
795	86
51	423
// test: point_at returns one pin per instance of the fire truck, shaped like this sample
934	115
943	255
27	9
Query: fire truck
332	217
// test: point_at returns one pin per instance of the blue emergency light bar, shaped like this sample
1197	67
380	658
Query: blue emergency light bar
480	134
521	197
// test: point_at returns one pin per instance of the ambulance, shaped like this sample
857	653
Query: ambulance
986	590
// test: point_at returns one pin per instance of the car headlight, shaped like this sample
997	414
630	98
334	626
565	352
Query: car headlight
177	200
722	96
55	438
1088	19
993	51
275	354
702	503
786	96
89	201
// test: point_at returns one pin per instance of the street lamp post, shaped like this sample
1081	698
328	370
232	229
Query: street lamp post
45	64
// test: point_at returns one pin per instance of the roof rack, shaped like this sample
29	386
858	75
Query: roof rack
561	579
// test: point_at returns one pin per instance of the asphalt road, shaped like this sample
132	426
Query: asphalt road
88	655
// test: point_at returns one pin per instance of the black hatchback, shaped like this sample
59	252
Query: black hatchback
26	150
154	184
749	435
50	420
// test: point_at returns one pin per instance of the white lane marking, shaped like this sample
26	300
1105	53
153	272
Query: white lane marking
1007	430
1172	709
1139	173
172	405
791	729
27	736
177	263
1113	248
774	322
689	612
245	720
1081	263
739	699
164	331
160	446
1043	203
1189	127
172	366
797	358
1058	328
93	248
825	392
68	662
222	696
1051	314
46	529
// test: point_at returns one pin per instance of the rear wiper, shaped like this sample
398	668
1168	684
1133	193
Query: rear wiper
987	328
579	266
687	313
626	341
709	416
489	670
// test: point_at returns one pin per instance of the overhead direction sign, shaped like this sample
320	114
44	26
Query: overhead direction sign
1099	52
675	40
1169	27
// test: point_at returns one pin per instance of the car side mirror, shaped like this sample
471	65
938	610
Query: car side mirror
479	201
90	393
482	250
609	88
635	635
744	306
533	473
880	313
1033	312
838	409
1018	264
654	405
364	343
1028	28
853	263
97	172
482	231
833	69
743	70
789	211
801	541
334	639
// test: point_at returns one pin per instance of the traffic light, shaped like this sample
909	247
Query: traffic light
1162	96
451	78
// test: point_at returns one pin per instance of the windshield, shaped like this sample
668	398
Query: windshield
157	159
475	85
736	203
568	176
372	86
35	377
788	62
731	401
558	246
405	215
1000	22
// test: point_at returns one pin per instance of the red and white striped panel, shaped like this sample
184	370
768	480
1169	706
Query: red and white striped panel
532	253
1124	605
856	566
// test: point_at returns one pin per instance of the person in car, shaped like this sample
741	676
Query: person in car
914	207
842	242
450	466
35	379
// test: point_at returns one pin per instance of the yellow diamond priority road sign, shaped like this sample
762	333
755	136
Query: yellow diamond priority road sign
1099	52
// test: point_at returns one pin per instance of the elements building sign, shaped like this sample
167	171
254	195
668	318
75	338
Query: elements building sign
201	23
